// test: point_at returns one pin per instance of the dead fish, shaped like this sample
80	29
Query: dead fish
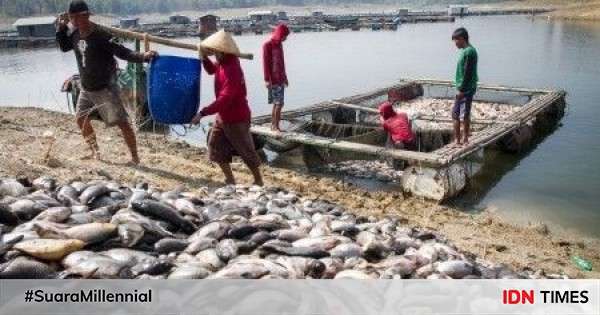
163	212
7	216
320	229
125	216
45	183
216	230
332	267
365	237
353	274
185	206
12	188
26	209
227	249
92	192
91	233
49	249
401	244
344	228
80	209
251	269
313	252
138	195
130	234
170	245
424	272
398	265
426	254
129	256
57	214
210	259
345	251
189	271
103	201
154	267
26	268
357	263
375	251
301	268
325	243
260	238
200	244
241	231
269	222
290	235
456	269
92	265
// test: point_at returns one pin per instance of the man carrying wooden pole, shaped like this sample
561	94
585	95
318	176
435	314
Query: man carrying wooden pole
231	132
95	51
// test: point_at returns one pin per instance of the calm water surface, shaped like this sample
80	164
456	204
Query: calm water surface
558	182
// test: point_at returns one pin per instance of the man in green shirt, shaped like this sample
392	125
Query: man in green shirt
466	85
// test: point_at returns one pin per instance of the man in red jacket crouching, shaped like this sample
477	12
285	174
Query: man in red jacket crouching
231	132
397	125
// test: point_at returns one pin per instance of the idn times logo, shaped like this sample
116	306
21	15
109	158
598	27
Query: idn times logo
521	297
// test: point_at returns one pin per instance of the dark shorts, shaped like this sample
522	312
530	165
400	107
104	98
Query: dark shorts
277	95
105	103
462	108
227	140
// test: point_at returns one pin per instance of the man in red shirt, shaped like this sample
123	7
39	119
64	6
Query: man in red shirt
275	74
397	125
231	132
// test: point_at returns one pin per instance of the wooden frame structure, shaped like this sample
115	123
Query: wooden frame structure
542	106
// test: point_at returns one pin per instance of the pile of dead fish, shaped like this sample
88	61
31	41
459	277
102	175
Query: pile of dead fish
104	230
379	170
442	108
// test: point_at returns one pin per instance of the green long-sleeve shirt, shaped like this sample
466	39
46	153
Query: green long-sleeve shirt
466	70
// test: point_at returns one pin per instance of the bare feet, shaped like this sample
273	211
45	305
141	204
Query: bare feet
259	183
92	156
275	128
135	160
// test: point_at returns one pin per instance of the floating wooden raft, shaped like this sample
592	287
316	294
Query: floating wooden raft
540	100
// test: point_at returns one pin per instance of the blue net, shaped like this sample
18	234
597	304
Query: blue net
174	89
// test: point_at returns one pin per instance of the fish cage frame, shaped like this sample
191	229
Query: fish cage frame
444	172
496	129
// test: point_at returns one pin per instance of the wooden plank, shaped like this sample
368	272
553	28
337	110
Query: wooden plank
500	88
427	158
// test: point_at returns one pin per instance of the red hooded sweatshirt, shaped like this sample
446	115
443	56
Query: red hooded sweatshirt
273	59
396	124
231	105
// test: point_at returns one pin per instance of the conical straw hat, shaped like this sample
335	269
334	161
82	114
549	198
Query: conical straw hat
221	42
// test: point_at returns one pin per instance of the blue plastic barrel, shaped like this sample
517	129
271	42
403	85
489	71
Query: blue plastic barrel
174	89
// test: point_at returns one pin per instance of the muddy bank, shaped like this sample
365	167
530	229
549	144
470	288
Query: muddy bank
167	165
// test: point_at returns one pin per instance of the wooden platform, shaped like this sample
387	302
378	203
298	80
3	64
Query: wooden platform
496	129
450	163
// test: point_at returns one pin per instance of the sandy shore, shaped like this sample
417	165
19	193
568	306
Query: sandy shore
169	164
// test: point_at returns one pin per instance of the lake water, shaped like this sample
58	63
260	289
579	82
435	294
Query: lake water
558	182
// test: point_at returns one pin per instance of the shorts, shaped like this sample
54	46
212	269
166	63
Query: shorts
105	103
277	95
462	108
227	140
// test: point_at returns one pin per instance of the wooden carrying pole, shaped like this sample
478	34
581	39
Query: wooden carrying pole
158	40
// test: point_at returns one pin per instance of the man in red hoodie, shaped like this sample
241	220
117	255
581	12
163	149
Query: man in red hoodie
275	74
230	133
397	125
